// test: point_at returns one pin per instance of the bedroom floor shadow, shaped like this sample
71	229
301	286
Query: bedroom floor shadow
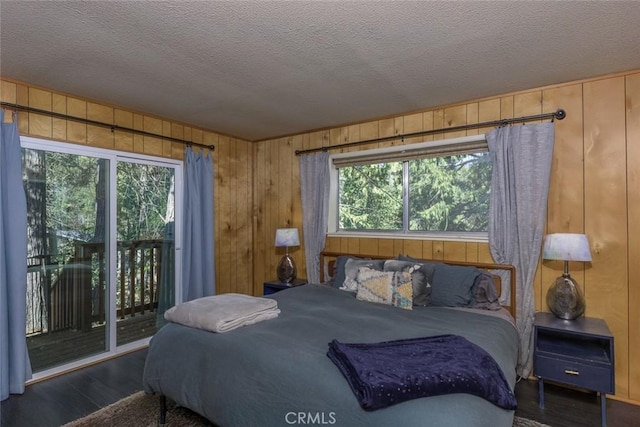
566	407
69	397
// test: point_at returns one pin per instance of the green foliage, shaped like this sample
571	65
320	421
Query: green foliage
71	193
371	197
449	193
73	208
142	200
445	194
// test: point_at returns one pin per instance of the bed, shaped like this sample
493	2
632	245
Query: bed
277	372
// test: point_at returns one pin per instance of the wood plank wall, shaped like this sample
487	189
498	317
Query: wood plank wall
595	189
232	163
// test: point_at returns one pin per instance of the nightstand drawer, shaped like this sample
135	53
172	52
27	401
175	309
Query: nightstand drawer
597	378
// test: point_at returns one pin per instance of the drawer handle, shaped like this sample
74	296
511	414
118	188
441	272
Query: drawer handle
571	372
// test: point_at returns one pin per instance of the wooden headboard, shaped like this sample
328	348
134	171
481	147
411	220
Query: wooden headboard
327	259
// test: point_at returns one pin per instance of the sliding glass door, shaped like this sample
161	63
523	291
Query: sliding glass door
101	250
146	245
66	256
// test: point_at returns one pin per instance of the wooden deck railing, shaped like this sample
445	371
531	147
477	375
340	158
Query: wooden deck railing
73	294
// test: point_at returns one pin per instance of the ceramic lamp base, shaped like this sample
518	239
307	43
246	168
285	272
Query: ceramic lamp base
565	299
286	270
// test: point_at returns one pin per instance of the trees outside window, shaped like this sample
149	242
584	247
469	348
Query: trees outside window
450	193
430	192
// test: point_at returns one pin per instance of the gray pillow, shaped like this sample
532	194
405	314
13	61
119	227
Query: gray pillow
427	267
419	281
337	278
453	285
485	293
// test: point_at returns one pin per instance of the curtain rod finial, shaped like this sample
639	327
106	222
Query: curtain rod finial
560	114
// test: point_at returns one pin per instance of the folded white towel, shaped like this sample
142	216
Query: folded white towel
223	313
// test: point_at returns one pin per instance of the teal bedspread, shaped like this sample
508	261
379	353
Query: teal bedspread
277	373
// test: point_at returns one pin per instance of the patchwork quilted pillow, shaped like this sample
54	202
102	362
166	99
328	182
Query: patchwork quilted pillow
419	280
385	287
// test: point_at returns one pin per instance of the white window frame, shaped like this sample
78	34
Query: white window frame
115	156
333	230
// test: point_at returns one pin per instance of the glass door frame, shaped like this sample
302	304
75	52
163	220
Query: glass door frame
115	156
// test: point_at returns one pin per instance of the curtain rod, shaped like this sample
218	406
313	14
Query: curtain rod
102	124
558	114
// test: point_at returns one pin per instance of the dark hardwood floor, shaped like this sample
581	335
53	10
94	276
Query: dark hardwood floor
572	408
68	397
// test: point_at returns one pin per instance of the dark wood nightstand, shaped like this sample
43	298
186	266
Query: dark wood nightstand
574	352
274	286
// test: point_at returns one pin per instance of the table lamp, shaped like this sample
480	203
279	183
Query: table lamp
286	269
564	298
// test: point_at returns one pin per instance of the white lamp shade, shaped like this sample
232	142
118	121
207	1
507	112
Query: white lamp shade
566	247
287	237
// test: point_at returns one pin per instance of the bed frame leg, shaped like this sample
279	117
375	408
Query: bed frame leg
163	410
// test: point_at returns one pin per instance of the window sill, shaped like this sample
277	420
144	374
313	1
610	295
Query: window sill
442	236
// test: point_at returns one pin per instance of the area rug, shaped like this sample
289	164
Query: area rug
141	410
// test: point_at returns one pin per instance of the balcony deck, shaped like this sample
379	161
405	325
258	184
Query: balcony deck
59	347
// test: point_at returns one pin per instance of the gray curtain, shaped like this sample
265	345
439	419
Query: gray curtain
521	157
198	270
314	189
15	368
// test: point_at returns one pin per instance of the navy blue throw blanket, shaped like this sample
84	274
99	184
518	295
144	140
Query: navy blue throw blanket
386	373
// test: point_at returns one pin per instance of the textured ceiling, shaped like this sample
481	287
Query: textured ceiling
260	69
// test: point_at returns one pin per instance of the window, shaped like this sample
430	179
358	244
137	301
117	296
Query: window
370	197
420	189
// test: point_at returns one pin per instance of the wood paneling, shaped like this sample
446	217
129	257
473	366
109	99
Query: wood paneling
633	197
565	208
606	284
8	92
455	116
594	189
233	172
